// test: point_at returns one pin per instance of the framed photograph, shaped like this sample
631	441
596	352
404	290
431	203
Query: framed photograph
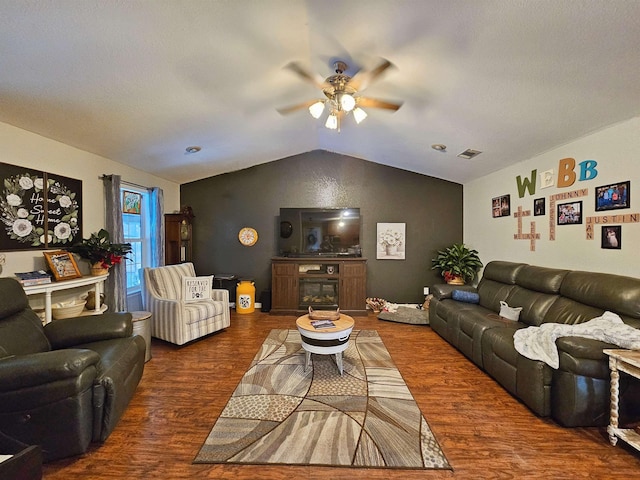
612	237
570	213
501	206
614	196
391	241
62	265
539	207
131	202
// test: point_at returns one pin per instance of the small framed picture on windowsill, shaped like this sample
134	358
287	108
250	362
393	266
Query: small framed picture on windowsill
131	202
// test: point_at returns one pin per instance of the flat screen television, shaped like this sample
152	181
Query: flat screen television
318	232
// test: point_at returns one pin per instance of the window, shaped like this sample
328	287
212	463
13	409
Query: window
136	232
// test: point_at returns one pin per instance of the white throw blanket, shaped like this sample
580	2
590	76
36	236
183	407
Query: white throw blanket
539	343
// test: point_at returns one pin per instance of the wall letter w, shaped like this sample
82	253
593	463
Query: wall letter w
527	184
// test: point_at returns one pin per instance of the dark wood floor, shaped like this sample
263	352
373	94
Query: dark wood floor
484	432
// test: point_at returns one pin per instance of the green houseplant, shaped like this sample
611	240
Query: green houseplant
100	251
457	264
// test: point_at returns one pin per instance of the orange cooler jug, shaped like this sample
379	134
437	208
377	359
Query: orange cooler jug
246	297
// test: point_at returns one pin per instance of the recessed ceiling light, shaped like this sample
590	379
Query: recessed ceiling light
439	147
192	149
469	153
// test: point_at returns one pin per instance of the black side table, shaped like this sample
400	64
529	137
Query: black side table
25	463
226	281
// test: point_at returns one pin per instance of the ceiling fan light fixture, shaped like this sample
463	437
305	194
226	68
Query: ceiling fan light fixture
359	114
332	122
347	102
316	109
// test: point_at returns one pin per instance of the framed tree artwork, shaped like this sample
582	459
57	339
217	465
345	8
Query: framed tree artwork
131	202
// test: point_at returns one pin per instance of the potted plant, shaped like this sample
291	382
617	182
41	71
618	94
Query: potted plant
101	253
457	264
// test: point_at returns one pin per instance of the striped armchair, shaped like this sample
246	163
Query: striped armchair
173	319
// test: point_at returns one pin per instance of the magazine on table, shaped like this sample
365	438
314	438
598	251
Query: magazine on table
38	277
320	324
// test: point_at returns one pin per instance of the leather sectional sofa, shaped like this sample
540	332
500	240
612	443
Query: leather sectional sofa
575	394
66	384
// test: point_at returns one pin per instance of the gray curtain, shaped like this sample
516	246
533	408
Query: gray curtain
116	285
156	204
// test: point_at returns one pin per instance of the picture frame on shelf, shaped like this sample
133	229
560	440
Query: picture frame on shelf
570	213
614	196
611	237
62	265
501	206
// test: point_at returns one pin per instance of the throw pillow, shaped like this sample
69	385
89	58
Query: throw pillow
196	288
464	296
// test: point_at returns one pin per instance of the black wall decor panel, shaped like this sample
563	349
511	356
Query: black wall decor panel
38	209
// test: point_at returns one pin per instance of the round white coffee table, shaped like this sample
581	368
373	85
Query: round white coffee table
325	341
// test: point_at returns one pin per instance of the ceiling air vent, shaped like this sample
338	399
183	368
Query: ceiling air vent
469	153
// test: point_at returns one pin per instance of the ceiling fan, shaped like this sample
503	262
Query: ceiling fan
342	92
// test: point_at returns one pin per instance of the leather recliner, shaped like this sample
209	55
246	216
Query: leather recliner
64	385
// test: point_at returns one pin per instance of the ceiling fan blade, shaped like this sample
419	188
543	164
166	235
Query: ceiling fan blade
306	75
375	103
295	108
362	79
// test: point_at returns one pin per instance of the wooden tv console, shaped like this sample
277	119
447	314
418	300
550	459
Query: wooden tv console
324	283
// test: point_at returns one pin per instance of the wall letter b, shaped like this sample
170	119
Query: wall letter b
566	175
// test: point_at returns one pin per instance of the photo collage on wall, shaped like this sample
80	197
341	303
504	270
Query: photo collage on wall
38	210
610	197
501	206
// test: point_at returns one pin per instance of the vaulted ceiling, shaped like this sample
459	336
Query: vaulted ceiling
139	81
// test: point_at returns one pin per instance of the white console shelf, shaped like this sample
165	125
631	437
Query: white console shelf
47	289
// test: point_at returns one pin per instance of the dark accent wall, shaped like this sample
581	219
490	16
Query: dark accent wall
222	205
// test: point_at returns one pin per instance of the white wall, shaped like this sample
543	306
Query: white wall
23	148
617	151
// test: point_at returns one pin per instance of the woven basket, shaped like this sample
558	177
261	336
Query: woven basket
67	309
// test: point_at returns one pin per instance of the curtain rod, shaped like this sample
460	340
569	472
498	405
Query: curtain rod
126	182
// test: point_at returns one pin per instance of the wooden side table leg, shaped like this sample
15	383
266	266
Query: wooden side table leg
307	360
339	362
614	392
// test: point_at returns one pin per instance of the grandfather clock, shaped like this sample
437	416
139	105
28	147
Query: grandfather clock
177	236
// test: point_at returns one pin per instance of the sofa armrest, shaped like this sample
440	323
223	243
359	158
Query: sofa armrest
585	348
220	295
69	332
583	357
24	371
444	290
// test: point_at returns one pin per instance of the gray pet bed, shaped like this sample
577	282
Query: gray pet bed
406	315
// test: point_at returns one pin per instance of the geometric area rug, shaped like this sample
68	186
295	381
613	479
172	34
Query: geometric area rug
281	415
